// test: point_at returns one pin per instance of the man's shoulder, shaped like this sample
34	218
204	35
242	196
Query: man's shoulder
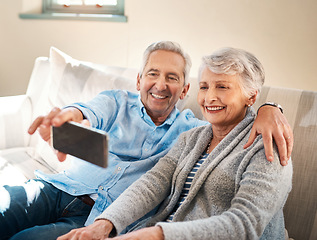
119	93
120	96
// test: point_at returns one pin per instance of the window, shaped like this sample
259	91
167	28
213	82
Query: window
114	7
99	10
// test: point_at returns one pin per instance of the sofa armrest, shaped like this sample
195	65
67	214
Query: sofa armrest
15	118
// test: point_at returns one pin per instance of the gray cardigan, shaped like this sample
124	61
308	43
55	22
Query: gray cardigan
236	193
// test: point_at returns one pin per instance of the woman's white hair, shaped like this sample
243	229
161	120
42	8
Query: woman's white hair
167	46
232	61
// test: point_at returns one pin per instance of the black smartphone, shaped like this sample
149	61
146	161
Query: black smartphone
83	142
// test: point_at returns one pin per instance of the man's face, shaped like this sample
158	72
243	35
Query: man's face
162	84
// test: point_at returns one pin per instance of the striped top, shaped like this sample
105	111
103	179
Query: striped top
187	185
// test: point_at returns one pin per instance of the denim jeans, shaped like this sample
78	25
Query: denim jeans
38	210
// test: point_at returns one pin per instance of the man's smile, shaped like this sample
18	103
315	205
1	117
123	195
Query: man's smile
158	96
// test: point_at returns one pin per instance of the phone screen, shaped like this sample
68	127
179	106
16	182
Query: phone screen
83	142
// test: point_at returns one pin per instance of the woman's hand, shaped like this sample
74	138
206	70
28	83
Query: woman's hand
272	124
150	233
99	230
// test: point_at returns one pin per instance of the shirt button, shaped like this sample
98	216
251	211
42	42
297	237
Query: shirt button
100	188
119	168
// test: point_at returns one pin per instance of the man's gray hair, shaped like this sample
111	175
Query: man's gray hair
167	46
231	61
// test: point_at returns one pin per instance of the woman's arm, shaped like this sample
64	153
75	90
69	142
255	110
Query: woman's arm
262	189
147	192
142	196
136	201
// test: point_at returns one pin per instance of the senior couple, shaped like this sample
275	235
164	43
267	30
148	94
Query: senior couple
184	178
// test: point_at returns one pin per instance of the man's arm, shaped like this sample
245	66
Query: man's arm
272	124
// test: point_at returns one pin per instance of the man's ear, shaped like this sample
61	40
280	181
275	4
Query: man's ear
185	91
138	82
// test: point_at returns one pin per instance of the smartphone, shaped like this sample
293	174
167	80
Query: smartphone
83	142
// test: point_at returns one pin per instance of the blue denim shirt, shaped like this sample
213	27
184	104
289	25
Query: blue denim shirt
135	145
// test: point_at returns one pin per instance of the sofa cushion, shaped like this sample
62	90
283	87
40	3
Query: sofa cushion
72	80
18	165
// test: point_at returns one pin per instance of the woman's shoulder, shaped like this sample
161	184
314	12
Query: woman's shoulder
259	158
197	134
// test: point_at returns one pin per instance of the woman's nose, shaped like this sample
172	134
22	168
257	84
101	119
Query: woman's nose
211	95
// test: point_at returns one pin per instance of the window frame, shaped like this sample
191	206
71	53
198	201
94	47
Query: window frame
50	6
113	15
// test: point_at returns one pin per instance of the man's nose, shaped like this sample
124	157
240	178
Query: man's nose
161	83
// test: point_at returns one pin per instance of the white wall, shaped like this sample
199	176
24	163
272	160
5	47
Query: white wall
282	34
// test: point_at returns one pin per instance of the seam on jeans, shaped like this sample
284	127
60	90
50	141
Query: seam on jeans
65	211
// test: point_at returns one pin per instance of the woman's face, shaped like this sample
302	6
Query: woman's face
221	99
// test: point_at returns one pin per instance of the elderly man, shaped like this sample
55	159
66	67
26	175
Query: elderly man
142	128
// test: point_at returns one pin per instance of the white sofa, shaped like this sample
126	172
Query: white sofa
59	79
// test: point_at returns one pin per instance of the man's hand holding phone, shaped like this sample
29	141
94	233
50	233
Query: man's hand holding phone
56	117
86	143
72	135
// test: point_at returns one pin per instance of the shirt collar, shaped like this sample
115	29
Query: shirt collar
142	111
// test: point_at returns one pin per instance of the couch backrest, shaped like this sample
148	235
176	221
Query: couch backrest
300	108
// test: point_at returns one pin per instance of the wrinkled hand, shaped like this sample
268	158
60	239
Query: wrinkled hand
150	233
99	230
56	117
272	124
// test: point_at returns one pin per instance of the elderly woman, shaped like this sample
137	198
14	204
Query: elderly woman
208	186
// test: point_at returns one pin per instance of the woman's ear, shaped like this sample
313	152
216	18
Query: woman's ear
252	99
